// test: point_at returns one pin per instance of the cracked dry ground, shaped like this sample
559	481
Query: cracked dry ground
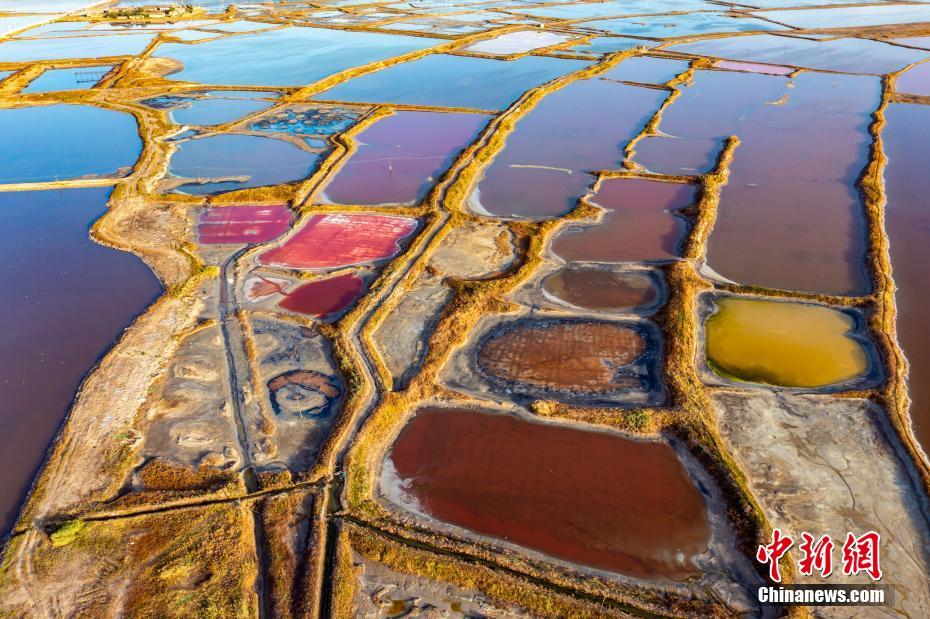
499	309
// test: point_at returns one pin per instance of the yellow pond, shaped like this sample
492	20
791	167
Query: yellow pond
785	344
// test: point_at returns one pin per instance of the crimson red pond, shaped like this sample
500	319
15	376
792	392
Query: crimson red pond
251	223
591	498
337	239
324	296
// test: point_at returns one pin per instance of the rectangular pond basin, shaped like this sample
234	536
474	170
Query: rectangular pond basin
290	57
103	46
66	299
646	70
545	165
517	42
252	223
55	80
590	498
400	157
453	81
845	55
71	147
851	16
226	162
915	81
790	216
907	221
336	240
641	224
688	24
216	110
592	10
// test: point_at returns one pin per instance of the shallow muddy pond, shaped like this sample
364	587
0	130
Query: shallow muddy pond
591	498
337	240
576	356
290	57
66	300
907	220
600	289
545	165
71	147
641	223
784	343
453	81
400	157
219	163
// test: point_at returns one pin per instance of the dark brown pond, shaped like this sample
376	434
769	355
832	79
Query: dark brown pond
582	356
641	224
545	166
65	300
790	216
600	289
907	220
591	498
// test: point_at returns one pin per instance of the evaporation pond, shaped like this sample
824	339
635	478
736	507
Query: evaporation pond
517	42
915	81
293	56
546	162
563	355
55	80
215	111
70	139
601	289
323	297
641	223
646	70
335	240
669	26
66	299
846	55
105	46
907	220
398	158
254	223
453	81
783	343
790	216
226	162
591	498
